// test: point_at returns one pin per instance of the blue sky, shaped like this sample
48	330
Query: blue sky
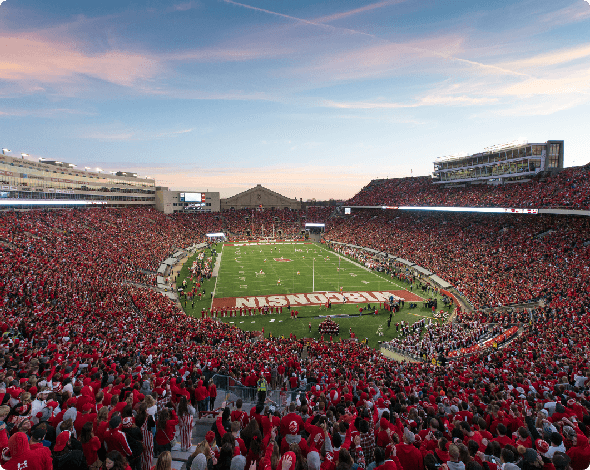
311	99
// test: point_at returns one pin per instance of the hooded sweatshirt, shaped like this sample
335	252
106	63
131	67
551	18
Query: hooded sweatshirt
409	457
23	458
580	454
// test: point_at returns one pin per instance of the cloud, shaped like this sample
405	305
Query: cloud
356	11
124	136
185	6
2	1
173	133
558	57
229	53
570	14
541	107
429	100
42	60
45	113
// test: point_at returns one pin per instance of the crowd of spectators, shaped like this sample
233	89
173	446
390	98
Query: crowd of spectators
569	189
282	223
254	223
431	339
92	363
494	260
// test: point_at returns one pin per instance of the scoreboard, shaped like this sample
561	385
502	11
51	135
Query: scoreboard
192	197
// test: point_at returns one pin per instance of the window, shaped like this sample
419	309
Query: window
553	158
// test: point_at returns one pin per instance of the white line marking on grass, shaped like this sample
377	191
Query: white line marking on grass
344	258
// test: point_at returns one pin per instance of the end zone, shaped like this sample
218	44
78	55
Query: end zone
315	298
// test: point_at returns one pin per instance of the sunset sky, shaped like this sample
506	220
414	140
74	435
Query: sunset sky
311	99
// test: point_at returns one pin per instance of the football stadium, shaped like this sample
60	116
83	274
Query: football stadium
200	319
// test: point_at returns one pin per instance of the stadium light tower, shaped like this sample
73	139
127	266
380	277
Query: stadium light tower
5	150
87	168
23	155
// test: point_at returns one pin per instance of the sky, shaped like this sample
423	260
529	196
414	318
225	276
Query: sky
310	99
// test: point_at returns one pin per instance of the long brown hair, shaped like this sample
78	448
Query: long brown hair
183	407
163	418
164	461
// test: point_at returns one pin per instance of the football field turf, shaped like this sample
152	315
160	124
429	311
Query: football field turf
253	269
309	274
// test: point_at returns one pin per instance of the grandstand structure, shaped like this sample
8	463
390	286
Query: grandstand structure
499	164
56	184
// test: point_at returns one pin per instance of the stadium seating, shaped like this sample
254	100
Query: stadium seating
79	319
569	189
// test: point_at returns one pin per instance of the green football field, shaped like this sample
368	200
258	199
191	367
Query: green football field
257	269
251	271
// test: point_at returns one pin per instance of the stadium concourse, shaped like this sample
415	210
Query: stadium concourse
95	361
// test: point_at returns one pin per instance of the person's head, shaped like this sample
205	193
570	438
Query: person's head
523	433
239	403
39	432
506	456
238	462
561	461
150	401
228	438
430	462
164	461
344	459
86	433
235	427
454	453
313	461
163	418
473	447
226	453
115	461
556	439
4	410
103	414
379	454
502	430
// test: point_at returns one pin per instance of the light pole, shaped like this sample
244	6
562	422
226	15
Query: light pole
23	155
5	150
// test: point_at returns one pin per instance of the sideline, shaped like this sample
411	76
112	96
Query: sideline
383	278
215	274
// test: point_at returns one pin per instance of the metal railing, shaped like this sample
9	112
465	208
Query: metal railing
249	395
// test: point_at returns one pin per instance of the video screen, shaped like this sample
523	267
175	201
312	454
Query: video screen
192	197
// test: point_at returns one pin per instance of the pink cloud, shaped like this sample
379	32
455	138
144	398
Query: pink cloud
26	58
